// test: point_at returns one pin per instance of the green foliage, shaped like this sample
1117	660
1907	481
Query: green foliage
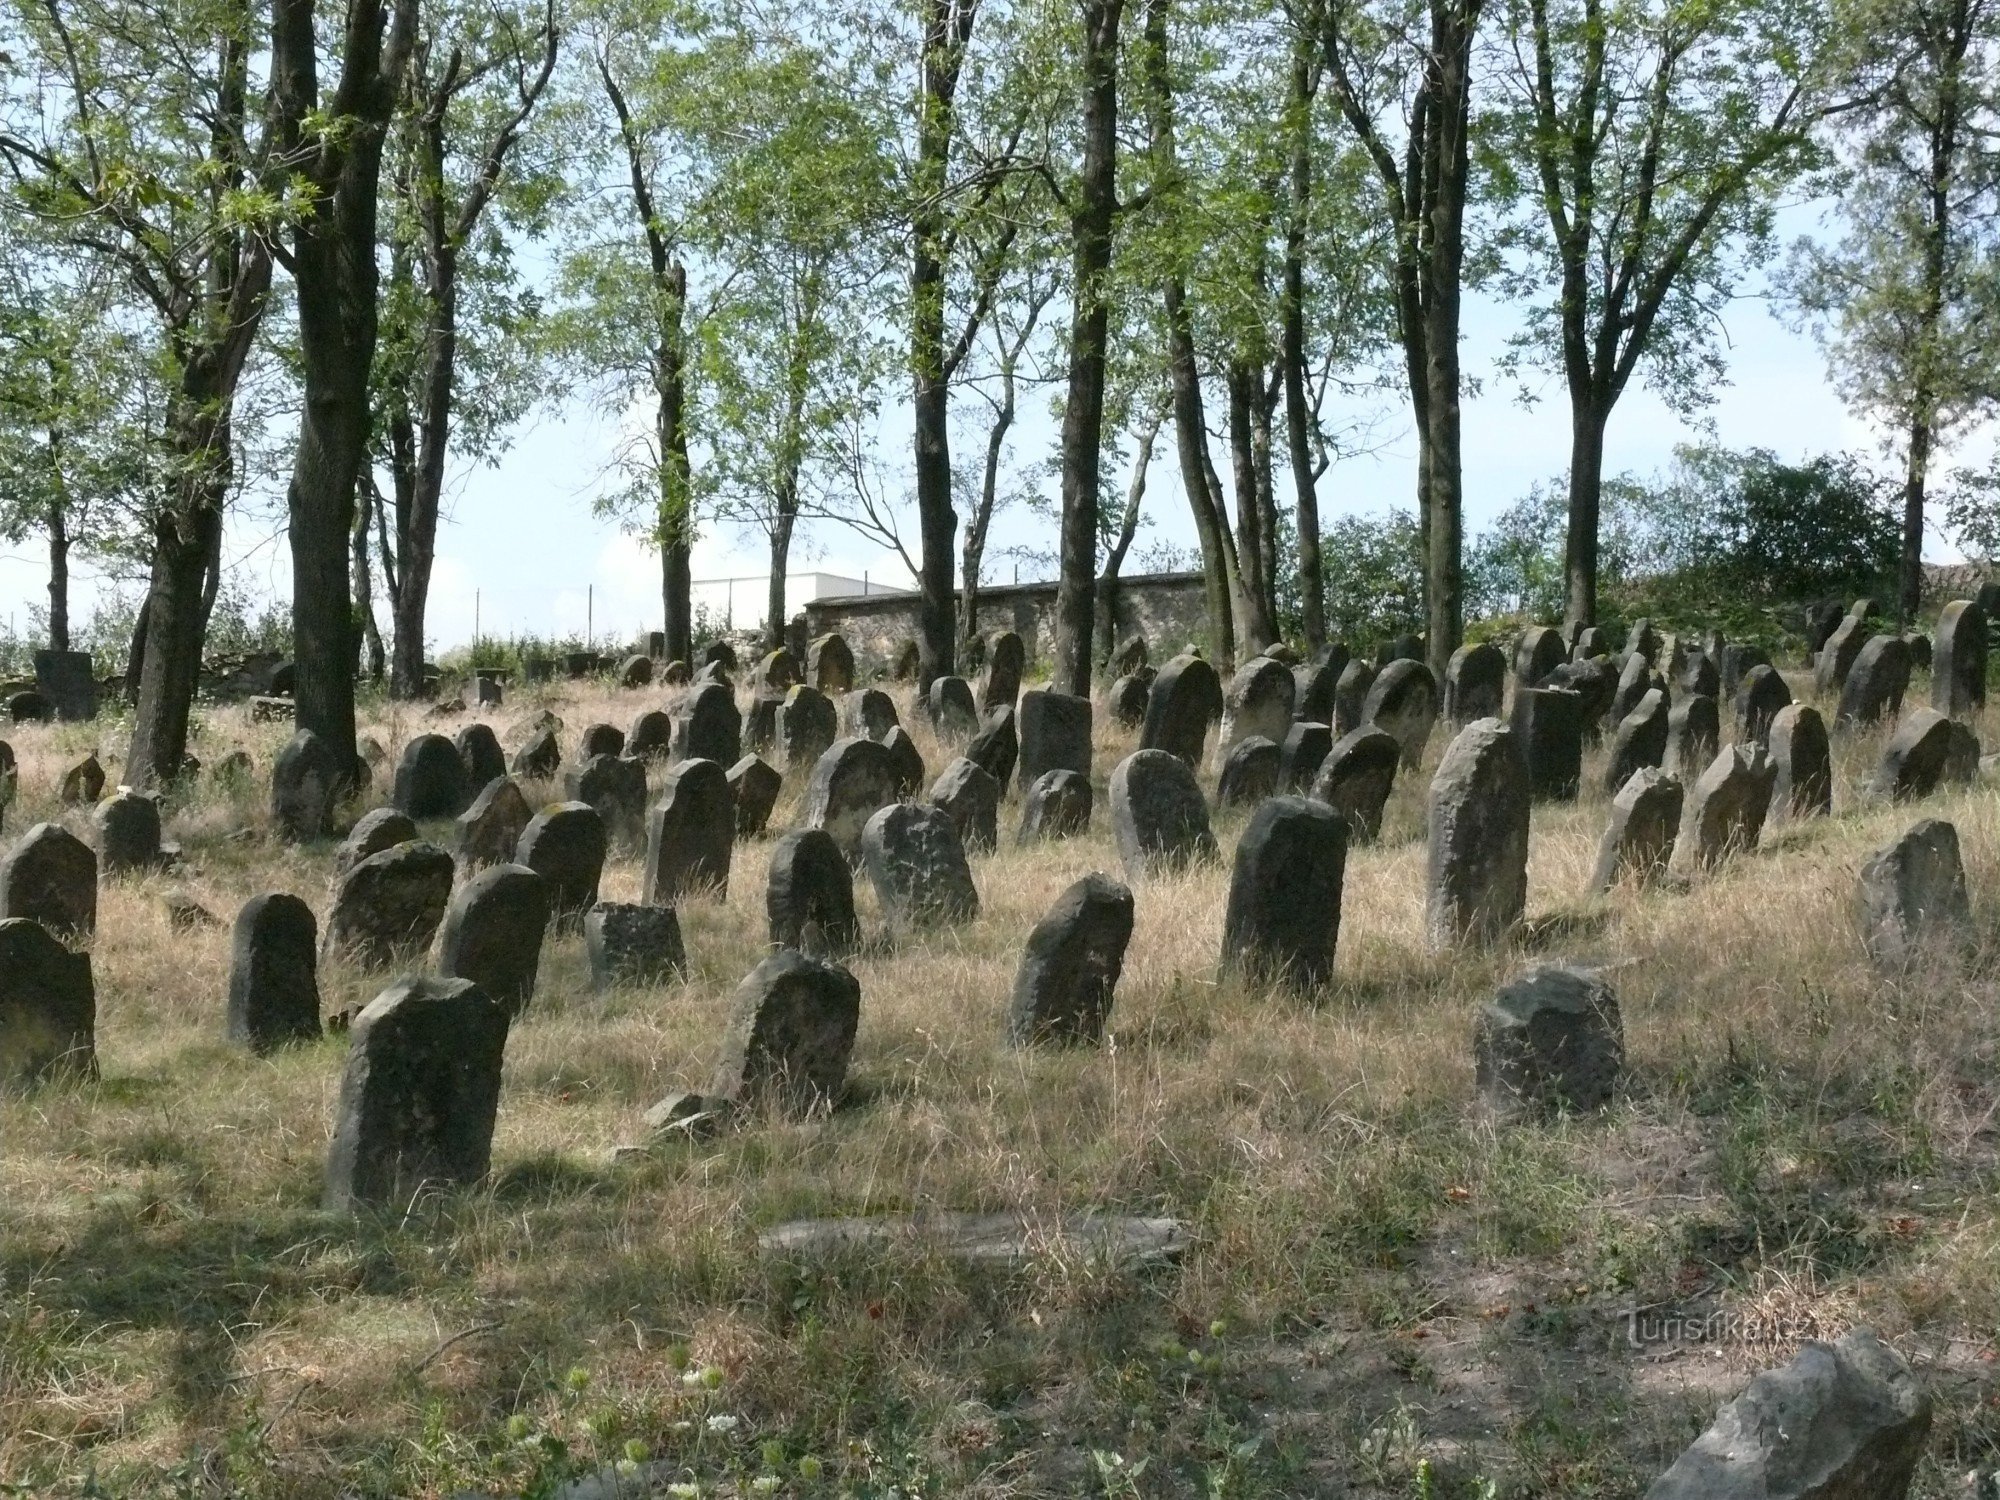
1374	577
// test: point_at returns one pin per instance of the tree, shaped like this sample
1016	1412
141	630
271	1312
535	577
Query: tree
1904	301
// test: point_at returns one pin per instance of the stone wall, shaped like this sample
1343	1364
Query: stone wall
1169	609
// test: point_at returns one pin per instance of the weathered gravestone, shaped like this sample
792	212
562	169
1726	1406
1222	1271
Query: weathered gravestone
809	883
1404	701
1593	683
1314	682
1055	733
1643	641
418	1097
755	787
1760	697
690	834
50	876
849	783
830	664
1249	773
540	758
1694	731
1257	701
1738	661
1283	918
1539	652
954	712
616	786
970	797
806	726
490	830
1186	700
82	782
1356	778
651	736
1912	898
917	865
635	672
1158	817
600	739
777	674
1475	683
1590	642
1641	740
1636	678
64	678
273	973
1549	1040
1127	699
128	833
1802	760
1836	657
1404	647
1057	807
1875	683
996	747
492	934
1698	675
760	724
708	727
1304	750
1914	760
1920	650
906	763
1645	821
1961	760
714	654
1477	884
1000	683
48	1008
790	1034
479	753
388	906
1548	725
1726	807
307	779
31	707
1821	620
1350	695
1843	1421
1131	655
1070	966
375	830
868	713
629	944
430	779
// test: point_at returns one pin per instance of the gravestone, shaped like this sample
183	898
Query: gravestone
954	713
128	833
490	830
717	653
1404	701
1305	749
1350	695
1249	773
1539	652
273	973
1738	661
909	661
375	830
1475	683
1356	778
1698	676
83	782
690	833
31	707
996	747
1313	683
1593	683
1802	760
48	1008
1000	683
1645	821
754	787
760	724
616	786
1636	678
1643	641
487	692
1548	726
1477	885
1283	918
1258	701
906	763
629	944
868	713
1760	697
540	758
1055	733
1549	1040
1726	807
64	678
418	1096
1694	731
50	876
1961	759
1131	656
1070	966
809	882
1875	683
1836	657
708	727
1158	817
388	906
1988	599
1057	807
1641	740
1914	760
651	736
430	779
1821	621
805	726
830	664
480	755
917	865
1127	700
849	783
1912	899
1590	642
1404	647
600	739
790	1034
777	674
970	797
1920	650
675	674
635	672
1185	702
492	934
565	843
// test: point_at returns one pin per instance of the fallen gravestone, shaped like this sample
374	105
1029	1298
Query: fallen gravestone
1070	966
690	834
971	799
1477	886
1912	898
490	830
629	944
755	786
50	876
1158	817
1283	918
992	1239
1056	807
917	864
1356	778
790	1034
1549	1040
273	973
1645	821
809	883
389	905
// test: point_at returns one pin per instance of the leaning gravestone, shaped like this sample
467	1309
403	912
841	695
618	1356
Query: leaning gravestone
1738	661
633	945
48	1008
635	672
849	783
490	830
1958	660
1641	740
1356	778
1590	641
1760	697
1350	695
1185	701
1843	1421
1694	731
1258	701
1912	898
809	883
651	735
967	795
1645	821
1055	733
377	829
616	786
906	761
1821	621
1548	725
1802	757
777	674
806	722
1914	760
1070	966
1057	807
540	758
1726	807
954	713
1478	867
306	780
996	747
50	876
388	906
790	1034
1961	761
868	713
430	779
1636	678
1158	816
690	833
1249	773
830	664
480	754
1539	652
1314	683
1304	750
1698	675
1550	1040
1475	683
128	833
755	787
1875	683
82	782
1001	682
492	934
917	865
1127	699
1836	657
1404	701
273	973
1593	683
708	727
1283	918
418	1097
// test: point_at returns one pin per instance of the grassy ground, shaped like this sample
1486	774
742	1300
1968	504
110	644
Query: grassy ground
1386	1294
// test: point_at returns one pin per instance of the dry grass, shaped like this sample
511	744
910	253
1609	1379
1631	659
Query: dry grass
1387	1293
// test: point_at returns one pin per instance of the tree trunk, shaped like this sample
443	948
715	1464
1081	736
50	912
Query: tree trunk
989	492
1128	528
781	549
1251	616
58	529
1586	485
364	585
1299	417
1910	573
676	534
